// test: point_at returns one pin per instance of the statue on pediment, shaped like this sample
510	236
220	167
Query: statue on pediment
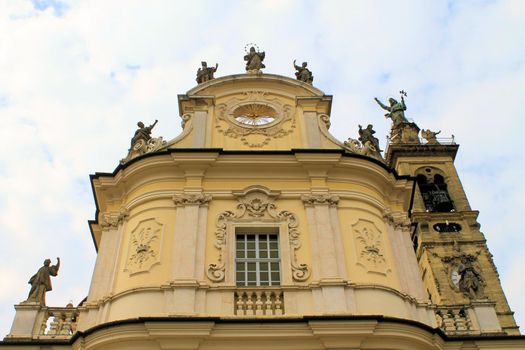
254	60
205	73
303	73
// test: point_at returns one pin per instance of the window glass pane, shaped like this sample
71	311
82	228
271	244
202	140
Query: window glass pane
251	254
274	254
251	266
250	238
263	254
251	245
241	266
240	277
274	266
264	276
265	283
275	276
252	276
251	283
273	245
240	242
240	254
263	266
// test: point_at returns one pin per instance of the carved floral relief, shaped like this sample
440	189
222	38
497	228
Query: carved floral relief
370	251
144	246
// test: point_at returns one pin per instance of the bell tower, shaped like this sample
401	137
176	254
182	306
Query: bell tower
455	263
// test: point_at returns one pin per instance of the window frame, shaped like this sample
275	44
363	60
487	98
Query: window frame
258	261
278	227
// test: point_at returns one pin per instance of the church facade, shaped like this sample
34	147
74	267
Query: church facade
256	229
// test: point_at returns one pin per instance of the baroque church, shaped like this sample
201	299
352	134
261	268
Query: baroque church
255	228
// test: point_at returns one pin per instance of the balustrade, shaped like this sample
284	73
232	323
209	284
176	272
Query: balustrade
259	303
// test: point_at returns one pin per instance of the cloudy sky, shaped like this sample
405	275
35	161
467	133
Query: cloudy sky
76	76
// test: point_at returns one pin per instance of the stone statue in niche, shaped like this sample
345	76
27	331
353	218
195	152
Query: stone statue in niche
254	60
41	282
430	136
470	282
303	73
205	73
143	143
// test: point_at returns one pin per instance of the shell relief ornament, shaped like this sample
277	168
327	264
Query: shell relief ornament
255	118
144	246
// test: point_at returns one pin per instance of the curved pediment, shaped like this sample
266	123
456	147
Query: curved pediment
255	112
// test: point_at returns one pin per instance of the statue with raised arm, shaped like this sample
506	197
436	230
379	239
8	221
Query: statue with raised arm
303	73
254	60
142	133
41	282
367	135
396	111
205	73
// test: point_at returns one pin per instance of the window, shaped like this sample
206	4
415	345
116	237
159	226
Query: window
434	191
257	259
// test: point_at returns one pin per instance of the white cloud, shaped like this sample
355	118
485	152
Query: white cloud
69	102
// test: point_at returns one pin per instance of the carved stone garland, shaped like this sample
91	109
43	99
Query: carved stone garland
276	129
257	204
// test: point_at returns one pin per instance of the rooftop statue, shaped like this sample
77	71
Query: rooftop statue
254	60
143	143
367	144
430	136
303	73
41	282
143	132
396	110
367	135
205	73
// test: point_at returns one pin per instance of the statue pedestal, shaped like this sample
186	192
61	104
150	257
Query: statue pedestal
486	316
25	324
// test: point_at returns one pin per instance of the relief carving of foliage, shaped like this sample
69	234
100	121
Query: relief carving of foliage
370	251
145	246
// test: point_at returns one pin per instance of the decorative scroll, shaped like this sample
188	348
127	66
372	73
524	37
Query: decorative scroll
370	247
313	199
113	219
191	199
145	246
257	202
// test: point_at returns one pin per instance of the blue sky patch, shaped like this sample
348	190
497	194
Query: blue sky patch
58	7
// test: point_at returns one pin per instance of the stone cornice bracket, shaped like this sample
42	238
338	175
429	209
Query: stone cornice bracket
184	199
397	219
185	119
320	199
113	219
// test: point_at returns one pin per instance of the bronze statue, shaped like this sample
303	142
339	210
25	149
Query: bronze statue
41	282
254	60
205	73
430	136
142	133
396	111
367	135
303	73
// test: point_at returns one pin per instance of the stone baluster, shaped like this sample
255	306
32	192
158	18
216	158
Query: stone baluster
249	305
258	304
269	310
278	305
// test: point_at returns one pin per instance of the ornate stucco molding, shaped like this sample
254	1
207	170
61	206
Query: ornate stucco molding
282	125
113	219
257	203
320	199
399	220
370	250
191	199
144	246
